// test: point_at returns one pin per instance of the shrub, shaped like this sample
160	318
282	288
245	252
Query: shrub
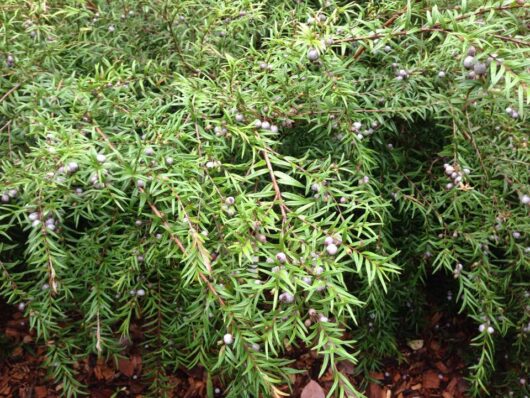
240	177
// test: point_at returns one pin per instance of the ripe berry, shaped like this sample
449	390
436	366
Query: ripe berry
328	241
257	123
472	51
286	297
469	62
332	249
140	183
5	198
312	54
101	158
274	129
261	238
169	161
525	199
323	318
516	235
239	117
111	28
265	125
230	200
307	279
34	216
491	330
480	68
281	257
441	74
228	339
140	292
149	151
72	167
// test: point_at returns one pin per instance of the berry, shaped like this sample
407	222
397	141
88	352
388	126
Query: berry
72	167
101	158
441	74
265	125
239	117
472	51
323	318
469	62
328	241
228	339
274	129
482	328
230	200
140	183
140	258
169	161
286	297
149	151
525	199
491	330
13	193
449	186
5	198
111	28
509	110
261	238
257	123
281	257
34	216
307	279
318	270
332	249
322	18
480	68
516	235
312	54
217	390
140	292
21	306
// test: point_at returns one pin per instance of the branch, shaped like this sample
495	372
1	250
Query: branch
278	196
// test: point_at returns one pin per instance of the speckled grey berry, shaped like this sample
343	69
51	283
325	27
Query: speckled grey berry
313	55
480	68
469	62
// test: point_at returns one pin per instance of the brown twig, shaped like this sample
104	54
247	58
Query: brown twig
177	241
278	193
13	89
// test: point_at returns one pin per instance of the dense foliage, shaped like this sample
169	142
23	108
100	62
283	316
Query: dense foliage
244	176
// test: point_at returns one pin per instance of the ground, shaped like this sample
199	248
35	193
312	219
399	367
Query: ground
434	370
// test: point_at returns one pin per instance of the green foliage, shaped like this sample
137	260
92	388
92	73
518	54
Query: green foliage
132	126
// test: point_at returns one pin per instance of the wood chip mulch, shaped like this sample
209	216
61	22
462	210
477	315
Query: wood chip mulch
432	370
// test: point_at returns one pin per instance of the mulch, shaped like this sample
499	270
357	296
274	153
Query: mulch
431	368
